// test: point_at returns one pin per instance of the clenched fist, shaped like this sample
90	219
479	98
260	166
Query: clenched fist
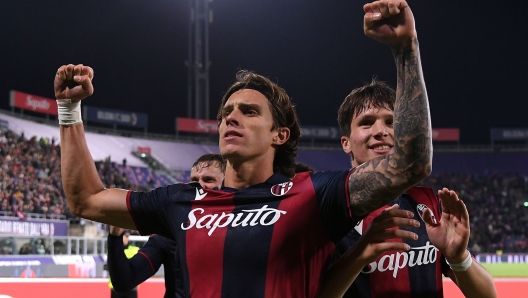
389	21
73	82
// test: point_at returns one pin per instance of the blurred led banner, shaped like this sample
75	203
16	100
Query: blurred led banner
320	132
196	125
509	134
12	226
446	134
118	117
33	103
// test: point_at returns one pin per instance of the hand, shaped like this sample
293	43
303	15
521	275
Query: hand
116	231
73	82
389	21
385	226
451	234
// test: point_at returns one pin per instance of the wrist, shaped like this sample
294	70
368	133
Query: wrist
462	265
69	113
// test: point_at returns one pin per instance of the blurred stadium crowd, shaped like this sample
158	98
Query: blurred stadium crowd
31	184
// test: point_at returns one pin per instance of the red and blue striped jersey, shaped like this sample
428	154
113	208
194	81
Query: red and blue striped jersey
415	273
273	239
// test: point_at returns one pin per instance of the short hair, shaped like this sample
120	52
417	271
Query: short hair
282	110
377	94
210	159
302	167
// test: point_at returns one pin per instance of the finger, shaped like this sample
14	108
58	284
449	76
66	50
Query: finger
384	8
429	217
393	8
87	71
370	20
77	69
462	211
393	212
395	206
69	72
86	84
388	246
367	8
394	222
402	234
61	73
449	200
376	7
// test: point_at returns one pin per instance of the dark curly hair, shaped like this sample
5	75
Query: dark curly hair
282	110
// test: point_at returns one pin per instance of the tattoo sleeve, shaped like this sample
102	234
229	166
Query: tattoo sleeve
380	180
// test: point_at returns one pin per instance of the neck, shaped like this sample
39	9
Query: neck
240	175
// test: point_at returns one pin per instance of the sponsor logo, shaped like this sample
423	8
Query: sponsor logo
281	189
37	104
416	256
264	216
200	194
207	126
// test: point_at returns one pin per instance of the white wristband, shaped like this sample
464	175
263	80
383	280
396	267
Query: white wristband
462	266
69	112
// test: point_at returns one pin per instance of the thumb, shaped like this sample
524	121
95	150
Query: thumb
429	217
370	19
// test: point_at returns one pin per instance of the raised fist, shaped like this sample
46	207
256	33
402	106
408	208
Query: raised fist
389	21
73	82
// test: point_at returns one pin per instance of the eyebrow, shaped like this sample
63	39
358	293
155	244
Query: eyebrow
242	106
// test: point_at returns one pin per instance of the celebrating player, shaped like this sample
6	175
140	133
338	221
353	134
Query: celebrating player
262	234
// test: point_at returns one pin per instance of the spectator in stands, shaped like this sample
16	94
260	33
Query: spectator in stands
126	274
366	119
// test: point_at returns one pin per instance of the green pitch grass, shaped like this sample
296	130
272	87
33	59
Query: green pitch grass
507	270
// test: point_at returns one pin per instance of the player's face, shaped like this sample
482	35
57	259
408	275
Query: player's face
246	127
209	176
372	135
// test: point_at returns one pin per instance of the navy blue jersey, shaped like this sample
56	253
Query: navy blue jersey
127	274
272	239
415	273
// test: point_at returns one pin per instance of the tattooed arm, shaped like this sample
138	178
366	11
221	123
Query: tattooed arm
380	180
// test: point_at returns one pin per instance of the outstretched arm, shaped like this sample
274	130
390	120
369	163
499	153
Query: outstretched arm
369	247
451	236
380	180
85	193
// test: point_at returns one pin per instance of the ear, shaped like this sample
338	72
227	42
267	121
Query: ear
345	143
282	136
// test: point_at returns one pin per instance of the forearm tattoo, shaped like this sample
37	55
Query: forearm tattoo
378	181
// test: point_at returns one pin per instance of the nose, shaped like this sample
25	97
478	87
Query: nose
379	129
232	118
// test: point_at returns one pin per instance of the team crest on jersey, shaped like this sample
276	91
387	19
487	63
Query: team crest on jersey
281	189
421	208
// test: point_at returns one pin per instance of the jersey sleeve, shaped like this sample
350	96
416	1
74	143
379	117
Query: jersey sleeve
151	210
126	274
331	189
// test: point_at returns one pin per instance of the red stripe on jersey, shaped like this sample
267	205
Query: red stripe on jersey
207	251
289	261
